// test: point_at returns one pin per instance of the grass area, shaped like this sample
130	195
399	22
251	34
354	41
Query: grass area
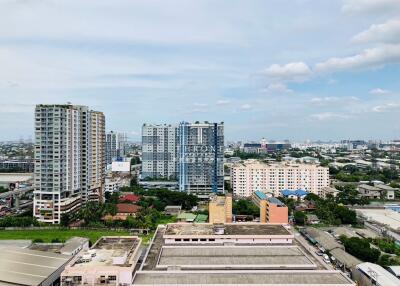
47	235
61	234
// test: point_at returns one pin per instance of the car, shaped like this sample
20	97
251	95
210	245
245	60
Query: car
319	253
326	258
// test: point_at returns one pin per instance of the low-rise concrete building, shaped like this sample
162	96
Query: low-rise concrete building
110	261
378	191
272	210
220	209
239	233
370	274
172	210
325	191
230	263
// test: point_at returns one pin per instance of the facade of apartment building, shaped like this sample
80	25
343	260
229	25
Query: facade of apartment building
191	153
115	146
252	176
69	159
159	151
201	157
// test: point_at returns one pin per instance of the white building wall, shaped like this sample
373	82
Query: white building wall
272	179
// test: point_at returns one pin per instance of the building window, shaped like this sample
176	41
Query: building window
112	278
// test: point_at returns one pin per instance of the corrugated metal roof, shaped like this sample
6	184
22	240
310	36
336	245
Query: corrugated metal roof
261	195
28	267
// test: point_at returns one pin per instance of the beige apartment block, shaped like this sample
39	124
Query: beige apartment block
271	179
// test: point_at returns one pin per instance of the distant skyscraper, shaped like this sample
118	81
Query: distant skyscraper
191	153
115	146
159	151
69	159
201	157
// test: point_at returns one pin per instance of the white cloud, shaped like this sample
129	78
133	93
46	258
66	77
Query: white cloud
370	5
297	71
388	32
196	104
246	107
324	99
386	107
369	58
330	100
278	87
328	116
223	102
379	91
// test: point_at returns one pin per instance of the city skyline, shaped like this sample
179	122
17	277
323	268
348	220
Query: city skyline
321	70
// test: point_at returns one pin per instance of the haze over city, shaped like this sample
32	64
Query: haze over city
277	69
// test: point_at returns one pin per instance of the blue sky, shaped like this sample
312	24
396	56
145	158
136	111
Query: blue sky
279	69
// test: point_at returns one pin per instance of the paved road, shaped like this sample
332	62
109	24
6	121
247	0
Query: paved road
15	192
311	249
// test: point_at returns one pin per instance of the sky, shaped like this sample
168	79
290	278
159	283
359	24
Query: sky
277	69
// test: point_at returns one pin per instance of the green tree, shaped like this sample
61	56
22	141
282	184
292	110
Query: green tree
299	217
245	207
65	219
361	248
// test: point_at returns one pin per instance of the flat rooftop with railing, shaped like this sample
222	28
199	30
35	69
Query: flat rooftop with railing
199	229
109	251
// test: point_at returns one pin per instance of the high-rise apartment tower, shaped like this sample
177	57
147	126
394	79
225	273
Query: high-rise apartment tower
69	159
115	146
191	153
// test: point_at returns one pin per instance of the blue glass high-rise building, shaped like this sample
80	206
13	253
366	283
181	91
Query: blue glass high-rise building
192	153
200	157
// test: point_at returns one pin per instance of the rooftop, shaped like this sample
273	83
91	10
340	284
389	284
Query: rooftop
275	201
387	217
128	208
238	257
110	251
254	229
28	267
385	187
129	197
267	277
368	187
73	243
15	177
323	238
383	277
261	195
297	192
219	200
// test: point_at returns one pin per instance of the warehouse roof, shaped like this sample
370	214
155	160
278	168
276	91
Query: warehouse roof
323	238
345	258
28	267
268	277
243	257
380	274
